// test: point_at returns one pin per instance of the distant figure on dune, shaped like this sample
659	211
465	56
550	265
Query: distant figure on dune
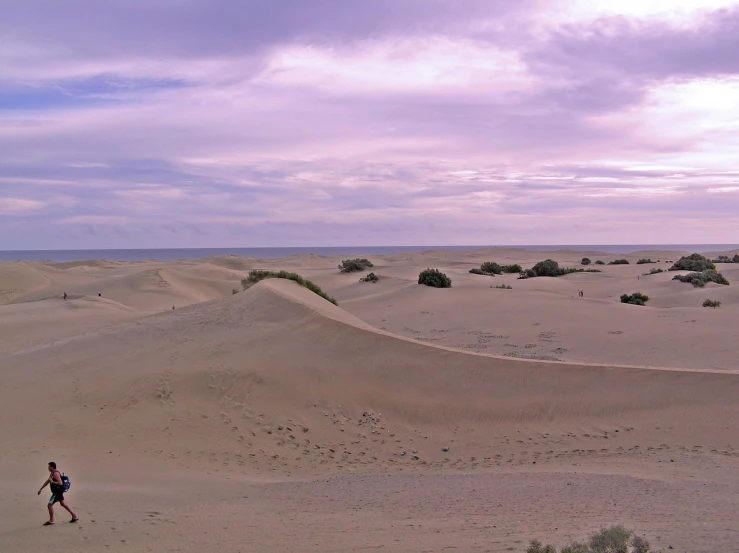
65	296
100	295
57	494
173	307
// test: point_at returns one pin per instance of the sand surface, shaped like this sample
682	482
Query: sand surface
405	419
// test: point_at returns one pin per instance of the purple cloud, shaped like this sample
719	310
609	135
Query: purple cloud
336	122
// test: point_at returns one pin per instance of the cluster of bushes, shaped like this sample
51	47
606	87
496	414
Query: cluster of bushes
727	259
693	262
434	278
491	268
635	299
372	277
353	265
550	268
619	262
503	287
642	261
704	271
712	303
699	280
654	271
615	539
585	261
599	262
258	274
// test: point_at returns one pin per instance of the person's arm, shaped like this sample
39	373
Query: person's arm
48	481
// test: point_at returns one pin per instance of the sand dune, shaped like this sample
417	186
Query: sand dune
271	415
18	279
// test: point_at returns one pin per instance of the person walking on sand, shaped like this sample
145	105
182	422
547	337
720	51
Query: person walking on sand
57	494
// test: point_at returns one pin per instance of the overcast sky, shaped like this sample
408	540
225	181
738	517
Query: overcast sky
222	123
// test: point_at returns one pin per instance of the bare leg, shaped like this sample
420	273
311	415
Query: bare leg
51	512
63	503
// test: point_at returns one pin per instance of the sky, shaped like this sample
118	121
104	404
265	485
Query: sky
227	123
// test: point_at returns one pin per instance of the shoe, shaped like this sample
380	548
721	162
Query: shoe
74	520
48	523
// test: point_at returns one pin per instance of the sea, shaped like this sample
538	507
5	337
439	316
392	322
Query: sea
173	254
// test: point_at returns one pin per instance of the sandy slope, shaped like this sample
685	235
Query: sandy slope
270	418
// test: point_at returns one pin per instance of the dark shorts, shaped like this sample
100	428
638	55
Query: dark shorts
56	497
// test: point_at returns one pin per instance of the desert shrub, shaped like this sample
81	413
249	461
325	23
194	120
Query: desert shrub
511	269
258	274
712	303
576	547
503	287
372	277
693	262
599	262
479	272
654	271
611	540
490	267
640	545
699	280
615	539
548	267
643	261
234	291
619	262
726	259
537	547
635	299
434	278
353	265
585	261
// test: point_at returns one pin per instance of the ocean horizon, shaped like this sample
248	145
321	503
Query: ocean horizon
173	254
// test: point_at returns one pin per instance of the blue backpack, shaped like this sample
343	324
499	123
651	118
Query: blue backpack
66	484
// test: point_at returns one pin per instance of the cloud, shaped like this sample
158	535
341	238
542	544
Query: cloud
345	121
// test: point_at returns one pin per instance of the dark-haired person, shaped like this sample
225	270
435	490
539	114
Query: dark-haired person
57	494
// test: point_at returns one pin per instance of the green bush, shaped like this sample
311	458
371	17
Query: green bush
576	547
693	262
635	299
712	303
599	262
512	269
548	267
258	274
611	540
619	262
699	280
491	267
434	278
372	277
726	259
643	261
353	265
537	547
654	271
615	539
585	261
503	287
